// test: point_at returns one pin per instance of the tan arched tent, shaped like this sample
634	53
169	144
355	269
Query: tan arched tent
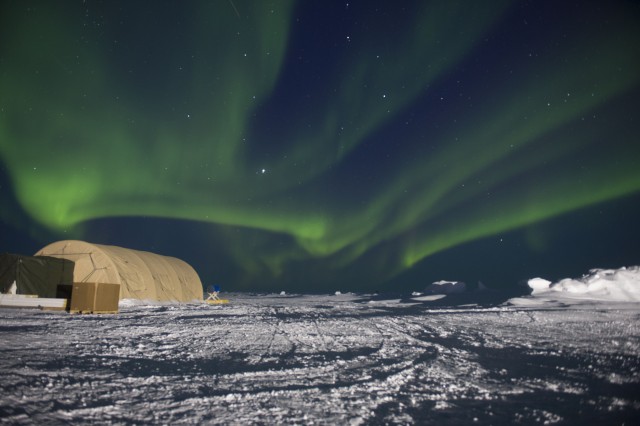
141	275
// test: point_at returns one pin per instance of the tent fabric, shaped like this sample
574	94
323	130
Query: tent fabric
39	275
141	275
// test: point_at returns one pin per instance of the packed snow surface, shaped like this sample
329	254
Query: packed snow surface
334	359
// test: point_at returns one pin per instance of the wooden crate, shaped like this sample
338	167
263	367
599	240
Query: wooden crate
95	298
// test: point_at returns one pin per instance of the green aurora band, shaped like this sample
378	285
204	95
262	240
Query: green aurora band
84	136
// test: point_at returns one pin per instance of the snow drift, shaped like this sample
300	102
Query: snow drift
606	285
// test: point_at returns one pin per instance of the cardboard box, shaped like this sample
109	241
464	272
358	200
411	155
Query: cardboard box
95	298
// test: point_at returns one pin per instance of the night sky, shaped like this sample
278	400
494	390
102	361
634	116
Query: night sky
326	145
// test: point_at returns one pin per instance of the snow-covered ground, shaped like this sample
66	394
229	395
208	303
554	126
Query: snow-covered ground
334	359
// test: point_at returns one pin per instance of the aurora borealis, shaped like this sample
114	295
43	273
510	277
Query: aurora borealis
326	145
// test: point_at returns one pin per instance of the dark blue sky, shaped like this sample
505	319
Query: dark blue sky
322	146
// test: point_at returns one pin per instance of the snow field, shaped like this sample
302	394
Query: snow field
334	359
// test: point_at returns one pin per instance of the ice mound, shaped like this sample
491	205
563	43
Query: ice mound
539	285
445	287
613	285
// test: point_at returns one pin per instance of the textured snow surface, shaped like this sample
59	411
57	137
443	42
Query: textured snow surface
338	359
